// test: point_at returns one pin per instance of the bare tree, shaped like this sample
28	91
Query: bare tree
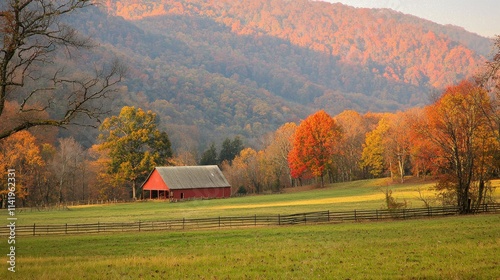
31	33
67	166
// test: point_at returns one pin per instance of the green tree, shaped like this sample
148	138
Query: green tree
230	149
209	157
134	144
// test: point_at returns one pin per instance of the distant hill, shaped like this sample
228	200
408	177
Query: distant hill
214	69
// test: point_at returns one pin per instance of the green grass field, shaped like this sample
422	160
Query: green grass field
465	247
358	195
458	247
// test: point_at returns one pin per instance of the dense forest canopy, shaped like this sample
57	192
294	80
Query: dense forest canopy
215	69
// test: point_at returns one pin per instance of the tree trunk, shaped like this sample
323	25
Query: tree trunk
134	190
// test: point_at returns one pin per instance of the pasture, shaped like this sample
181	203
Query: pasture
358	195
457	247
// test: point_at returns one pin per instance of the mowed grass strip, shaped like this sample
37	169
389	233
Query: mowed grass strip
458	247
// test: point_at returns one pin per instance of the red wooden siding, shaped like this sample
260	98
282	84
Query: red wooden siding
155	182
201	192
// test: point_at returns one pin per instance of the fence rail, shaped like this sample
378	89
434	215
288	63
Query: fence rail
246	221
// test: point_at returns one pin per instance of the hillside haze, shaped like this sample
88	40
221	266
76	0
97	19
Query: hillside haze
215	69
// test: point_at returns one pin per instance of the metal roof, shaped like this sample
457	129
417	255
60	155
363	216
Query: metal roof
192	177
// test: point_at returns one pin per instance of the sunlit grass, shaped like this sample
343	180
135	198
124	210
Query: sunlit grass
357	195
459	247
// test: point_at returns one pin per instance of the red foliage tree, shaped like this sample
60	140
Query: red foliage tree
313	145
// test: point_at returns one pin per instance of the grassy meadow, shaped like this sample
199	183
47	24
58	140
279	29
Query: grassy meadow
358	195
458	247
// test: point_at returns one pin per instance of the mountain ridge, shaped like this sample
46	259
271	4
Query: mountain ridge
214	69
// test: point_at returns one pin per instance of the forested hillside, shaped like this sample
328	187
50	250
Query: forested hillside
213	69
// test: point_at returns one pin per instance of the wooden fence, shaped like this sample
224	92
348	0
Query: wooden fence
247	221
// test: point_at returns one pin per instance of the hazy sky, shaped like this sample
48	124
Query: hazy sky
478	16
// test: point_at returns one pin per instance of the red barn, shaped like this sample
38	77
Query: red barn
182	182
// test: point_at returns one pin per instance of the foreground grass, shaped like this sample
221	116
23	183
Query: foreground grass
359	195
459	247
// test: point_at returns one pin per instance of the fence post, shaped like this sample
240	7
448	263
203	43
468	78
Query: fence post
255	220
183	221
66	229
34	229
279	220
219	221
139	225
98	227
328	217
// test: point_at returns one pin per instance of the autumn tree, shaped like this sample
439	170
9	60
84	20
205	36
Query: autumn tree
276	153
354	128
373	157
20	152
134	145
31	33
314	144
251	167
423	152
457	125
398	142
102	184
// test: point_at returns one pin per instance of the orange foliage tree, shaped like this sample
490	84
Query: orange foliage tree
20	152
314	144
458	126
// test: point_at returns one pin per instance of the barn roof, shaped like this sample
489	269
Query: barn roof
190	177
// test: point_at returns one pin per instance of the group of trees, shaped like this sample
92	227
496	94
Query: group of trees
229	150
46	173
456	138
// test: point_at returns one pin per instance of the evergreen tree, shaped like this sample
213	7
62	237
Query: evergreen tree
230	149
209	157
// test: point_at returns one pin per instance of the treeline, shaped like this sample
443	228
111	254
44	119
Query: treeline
455	140
215	70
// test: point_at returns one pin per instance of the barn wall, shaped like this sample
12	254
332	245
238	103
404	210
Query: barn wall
155	182
202	192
